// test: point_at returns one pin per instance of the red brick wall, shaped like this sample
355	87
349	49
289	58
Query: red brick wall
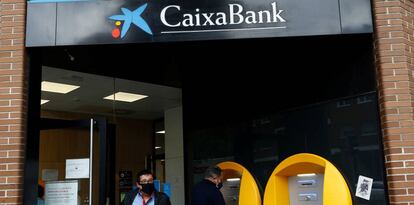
12	100
394	55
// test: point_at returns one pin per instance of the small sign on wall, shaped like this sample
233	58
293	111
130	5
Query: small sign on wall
77	168
364	187
125	179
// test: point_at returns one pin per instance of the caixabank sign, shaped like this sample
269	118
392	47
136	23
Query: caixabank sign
198	21
51	23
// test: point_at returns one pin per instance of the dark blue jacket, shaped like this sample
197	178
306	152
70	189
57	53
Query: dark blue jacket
206	193
160	198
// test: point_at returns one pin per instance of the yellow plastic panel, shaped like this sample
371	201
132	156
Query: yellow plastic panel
249	192
335	190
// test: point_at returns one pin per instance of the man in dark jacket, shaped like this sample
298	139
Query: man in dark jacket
207	192
146	193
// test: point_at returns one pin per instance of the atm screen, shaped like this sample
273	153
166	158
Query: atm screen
231	190
231	186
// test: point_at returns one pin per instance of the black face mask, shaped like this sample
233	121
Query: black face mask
148	188
219	185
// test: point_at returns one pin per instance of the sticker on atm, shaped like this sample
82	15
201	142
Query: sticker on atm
364	187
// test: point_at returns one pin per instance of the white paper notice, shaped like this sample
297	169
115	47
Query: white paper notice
61	192
364	187
77	168
50	174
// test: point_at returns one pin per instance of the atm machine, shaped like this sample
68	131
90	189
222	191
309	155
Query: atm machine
239	186
306	179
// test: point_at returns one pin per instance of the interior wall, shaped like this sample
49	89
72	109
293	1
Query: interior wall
133	143
174	154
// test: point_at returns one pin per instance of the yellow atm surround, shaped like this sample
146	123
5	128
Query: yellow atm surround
335	189
249	192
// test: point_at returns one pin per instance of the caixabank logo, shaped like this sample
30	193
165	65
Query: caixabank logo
176	19
123	22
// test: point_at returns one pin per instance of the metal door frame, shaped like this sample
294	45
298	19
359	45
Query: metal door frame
32	167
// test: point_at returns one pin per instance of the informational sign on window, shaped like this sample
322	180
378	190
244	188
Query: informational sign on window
364	187
61	192
77	168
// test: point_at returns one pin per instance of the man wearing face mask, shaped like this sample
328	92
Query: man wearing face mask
146	193
207	192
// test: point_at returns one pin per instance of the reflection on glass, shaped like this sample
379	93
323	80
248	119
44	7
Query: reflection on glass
344	131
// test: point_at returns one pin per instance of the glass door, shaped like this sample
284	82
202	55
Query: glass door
72	162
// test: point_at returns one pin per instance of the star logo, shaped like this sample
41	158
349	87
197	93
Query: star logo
129	17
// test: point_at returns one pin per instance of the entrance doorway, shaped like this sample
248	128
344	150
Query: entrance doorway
77	150
98	132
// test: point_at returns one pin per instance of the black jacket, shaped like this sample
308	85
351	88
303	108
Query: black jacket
206	193
160	198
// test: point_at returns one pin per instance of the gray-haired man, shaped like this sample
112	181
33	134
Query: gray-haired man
207	192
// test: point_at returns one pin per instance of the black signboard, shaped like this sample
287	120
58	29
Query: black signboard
134	21
125	179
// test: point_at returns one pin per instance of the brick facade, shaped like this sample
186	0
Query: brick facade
12	100
394	49
394	42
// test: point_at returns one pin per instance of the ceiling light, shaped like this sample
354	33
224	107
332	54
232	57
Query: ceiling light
58	87
307	175
233	179
161	132
125	97
43	101
157	147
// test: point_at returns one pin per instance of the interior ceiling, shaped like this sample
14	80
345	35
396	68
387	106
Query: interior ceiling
93	88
